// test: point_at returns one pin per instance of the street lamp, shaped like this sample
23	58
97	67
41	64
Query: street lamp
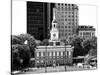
46	57
65	54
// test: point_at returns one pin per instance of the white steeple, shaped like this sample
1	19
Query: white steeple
54	30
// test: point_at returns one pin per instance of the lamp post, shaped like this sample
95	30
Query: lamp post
45	57
65	54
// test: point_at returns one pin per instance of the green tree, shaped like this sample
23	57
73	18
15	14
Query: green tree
22	49
77	43
45	42
90	45
15	40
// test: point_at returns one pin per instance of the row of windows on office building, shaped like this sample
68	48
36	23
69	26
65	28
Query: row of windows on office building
87	33
66	9
66	30
66	12
67	19
62	15
65	34
59	53
63	4
66	26
66	23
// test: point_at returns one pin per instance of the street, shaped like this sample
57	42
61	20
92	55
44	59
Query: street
52	69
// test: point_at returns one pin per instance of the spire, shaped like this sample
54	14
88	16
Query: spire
54	16
54	13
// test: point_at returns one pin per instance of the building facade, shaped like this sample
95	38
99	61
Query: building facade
39	19
67	19
86	31
49	55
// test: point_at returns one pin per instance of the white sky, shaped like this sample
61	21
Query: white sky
87	16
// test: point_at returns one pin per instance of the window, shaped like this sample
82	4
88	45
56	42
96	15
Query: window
50	54
66	34
80	33
61	53
62	16
62	26
57	53
64	53
65	26
65	12
37	61
69	34
53	53
65	4
37	54
58	3
69	27
41	53
62	19
69	53
51	43
54	25
65	19
62	23
57	43
41	61
69	30
92	34
62	4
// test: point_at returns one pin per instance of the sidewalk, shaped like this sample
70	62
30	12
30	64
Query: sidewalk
51	69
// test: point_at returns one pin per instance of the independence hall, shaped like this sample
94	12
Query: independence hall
56	53
56	22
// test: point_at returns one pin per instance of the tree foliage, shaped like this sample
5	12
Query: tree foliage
90	45
83	46
45	42
22	49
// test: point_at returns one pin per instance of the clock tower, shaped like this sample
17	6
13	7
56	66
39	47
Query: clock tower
54	31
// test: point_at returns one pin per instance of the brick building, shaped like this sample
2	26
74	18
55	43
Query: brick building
86	31
49	55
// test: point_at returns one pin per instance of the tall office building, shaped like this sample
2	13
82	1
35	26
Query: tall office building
39	19
67	19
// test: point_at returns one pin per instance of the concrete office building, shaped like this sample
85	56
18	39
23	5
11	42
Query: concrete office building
67	19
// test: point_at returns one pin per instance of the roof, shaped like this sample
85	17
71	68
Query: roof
54	48
86	28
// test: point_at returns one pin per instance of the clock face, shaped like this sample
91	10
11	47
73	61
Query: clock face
54	35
